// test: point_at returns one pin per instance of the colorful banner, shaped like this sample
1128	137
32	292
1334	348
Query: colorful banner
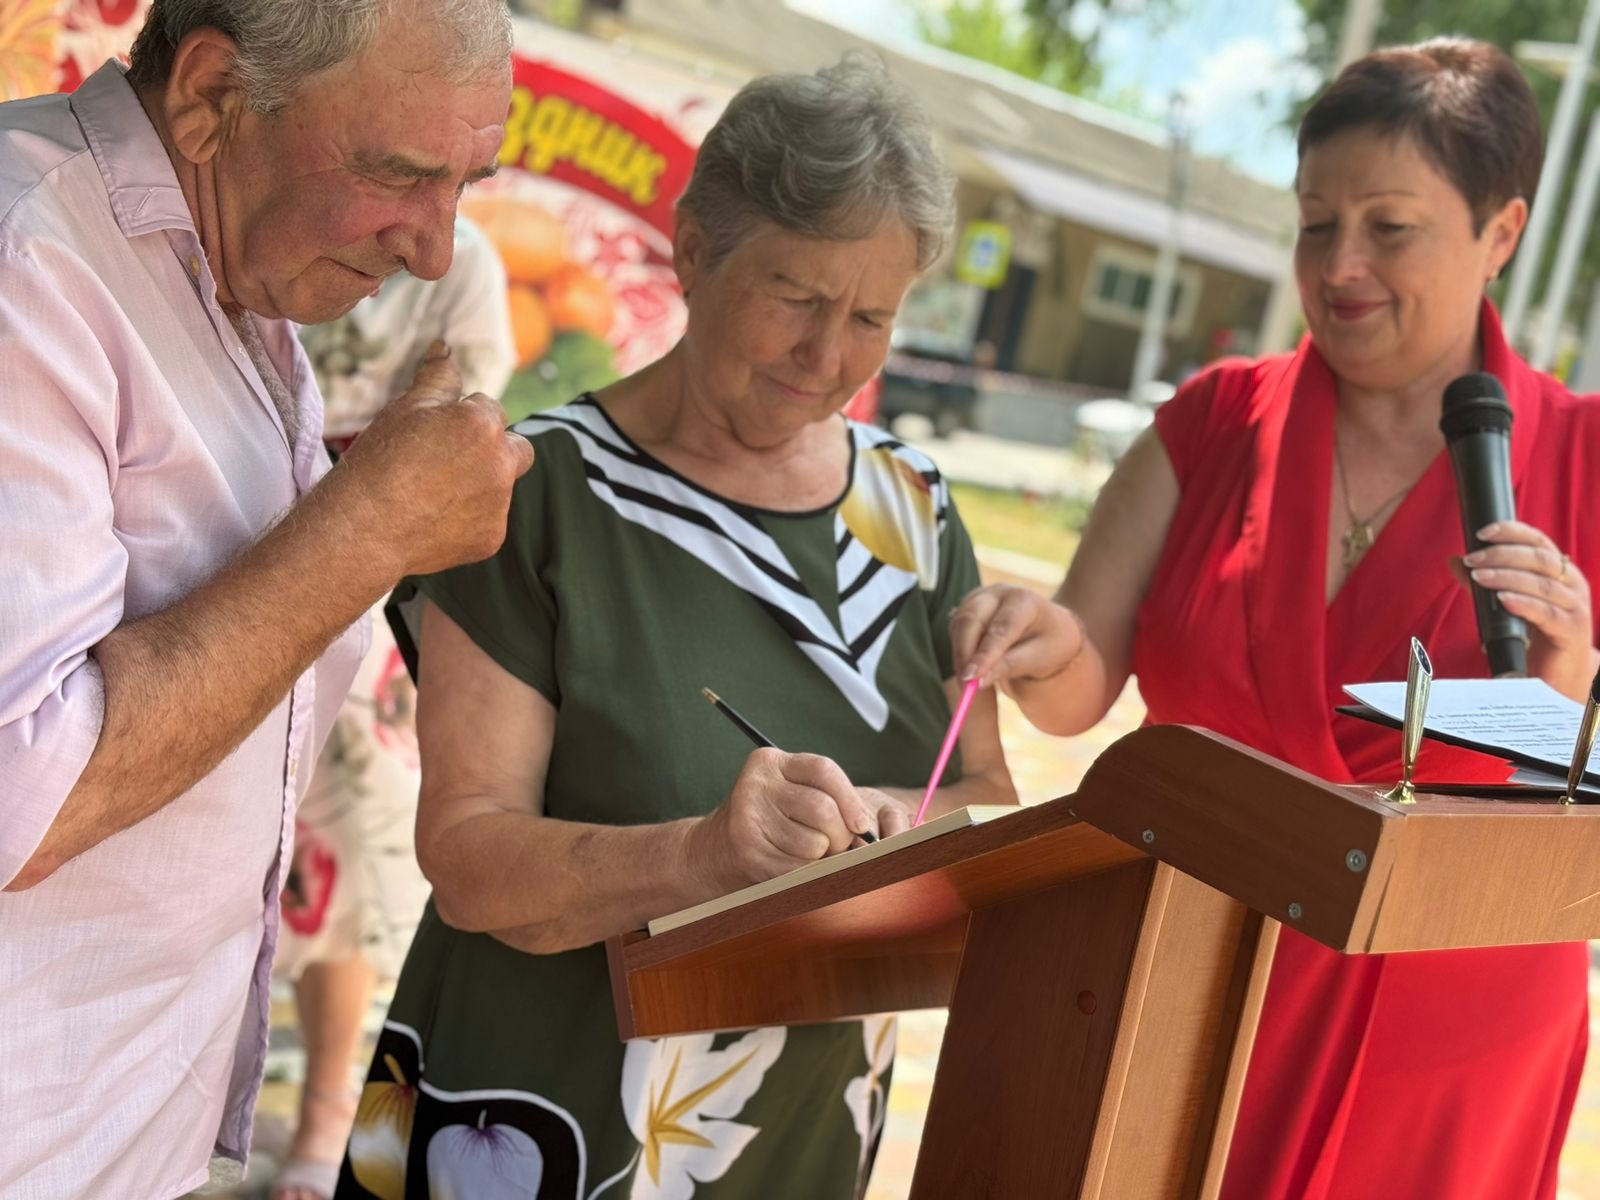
567	128
52	45
599	145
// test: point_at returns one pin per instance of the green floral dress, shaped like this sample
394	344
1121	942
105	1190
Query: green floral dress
621	590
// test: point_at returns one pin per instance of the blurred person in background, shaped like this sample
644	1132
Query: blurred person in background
355	893
1449	1075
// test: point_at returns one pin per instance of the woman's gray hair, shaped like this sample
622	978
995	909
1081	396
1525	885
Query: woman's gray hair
283	42
828	155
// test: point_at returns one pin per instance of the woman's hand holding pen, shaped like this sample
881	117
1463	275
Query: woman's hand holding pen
1003	634
785	810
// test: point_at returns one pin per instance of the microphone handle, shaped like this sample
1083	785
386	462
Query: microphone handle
1483	485
1508	657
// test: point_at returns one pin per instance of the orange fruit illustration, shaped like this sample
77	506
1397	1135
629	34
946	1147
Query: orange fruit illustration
28	33
530	323
578	299
531	242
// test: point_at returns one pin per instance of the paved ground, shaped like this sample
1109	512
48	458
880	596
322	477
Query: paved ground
1000	463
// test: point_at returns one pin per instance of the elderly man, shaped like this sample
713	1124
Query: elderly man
180	573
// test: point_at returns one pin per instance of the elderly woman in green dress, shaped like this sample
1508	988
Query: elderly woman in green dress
709	521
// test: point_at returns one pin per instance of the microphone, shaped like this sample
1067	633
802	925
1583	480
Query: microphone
1476	424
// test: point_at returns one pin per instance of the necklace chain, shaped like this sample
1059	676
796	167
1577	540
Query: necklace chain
1359	534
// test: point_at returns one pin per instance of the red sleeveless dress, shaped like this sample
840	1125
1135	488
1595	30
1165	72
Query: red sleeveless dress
1446	1075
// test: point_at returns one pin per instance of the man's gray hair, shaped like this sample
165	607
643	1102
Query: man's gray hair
828	155
283	42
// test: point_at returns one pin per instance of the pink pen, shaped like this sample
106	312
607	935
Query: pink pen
959	719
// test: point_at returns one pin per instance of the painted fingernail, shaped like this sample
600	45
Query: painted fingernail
1479	576
1473	559
868	838
1489	530
970	673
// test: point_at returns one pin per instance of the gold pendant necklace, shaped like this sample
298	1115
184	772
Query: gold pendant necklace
1359	535
1357	541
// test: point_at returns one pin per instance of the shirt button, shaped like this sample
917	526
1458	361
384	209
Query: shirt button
194	265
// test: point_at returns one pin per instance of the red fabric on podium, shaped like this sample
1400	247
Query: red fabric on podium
1446	1075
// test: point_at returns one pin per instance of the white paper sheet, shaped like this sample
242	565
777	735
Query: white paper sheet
1522	719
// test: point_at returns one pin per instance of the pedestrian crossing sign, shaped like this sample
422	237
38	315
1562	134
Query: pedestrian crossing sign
983	254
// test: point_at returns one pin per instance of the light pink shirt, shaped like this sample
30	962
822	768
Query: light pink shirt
139	451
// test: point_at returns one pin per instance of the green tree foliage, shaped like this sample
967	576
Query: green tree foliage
1053	42
566	13
1503	22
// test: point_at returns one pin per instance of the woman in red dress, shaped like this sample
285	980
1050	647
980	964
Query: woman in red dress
1285	529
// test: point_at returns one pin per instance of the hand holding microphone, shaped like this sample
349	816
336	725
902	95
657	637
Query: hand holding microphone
1521	580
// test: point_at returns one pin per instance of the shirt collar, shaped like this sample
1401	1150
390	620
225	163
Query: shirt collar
139	179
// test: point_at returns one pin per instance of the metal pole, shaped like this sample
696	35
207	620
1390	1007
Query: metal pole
1562	127
1153	332
1587	377
1358	31
1574	236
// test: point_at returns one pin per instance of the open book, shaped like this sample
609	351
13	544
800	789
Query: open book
961	818
1523	720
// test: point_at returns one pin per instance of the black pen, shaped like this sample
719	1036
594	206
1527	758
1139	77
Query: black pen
755	735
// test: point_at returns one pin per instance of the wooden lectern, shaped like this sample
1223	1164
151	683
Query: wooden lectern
1104	956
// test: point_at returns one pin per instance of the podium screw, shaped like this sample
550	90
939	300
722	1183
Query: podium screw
1149	835
1356	860
1295	912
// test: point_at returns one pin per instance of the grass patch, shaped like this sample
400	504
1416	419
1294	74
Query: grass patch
1041	527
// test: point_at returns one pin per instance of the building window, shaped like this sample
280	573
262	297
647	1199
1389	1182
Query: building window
1111	278
1119	286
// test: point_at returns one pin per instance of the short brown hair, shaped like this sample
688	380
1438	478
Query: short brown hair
1464	102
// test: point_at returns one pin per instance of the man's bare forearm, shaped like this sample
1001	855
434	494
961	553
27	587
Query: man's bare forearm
184	686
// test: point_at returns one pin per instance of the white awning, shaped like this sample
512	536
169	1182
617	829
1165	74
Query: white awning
1137	216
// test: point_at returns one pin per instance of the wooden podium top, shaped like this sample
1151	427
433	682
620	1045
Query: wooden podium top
1336	862
879	937
1340	863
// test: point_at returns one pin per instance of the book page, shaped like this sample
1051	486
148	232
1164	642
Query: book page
1525	720
961	818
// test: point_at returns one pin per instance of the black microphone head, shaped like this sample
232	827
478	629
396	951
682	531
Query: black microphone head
1475	403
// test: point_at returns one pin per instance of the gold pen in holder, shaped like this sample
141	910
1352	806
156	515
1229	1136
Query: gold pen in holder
1419	678
1585	743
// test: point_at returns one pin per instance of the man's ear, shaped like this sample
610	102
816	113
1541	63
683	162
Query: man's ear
202	95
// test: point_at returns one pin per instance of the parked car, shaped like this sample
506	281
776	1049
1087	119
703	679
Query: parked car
941	389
